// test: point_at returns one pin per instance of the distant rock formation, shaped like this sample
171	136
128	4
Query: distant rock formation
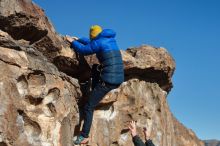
42	88
212	142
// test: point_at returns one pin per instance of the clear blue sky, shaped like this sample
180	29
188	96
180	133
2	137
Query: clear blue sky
189	29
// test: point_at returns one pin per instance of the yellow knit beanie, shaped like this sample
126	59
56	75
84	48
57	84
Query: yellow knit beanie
94	31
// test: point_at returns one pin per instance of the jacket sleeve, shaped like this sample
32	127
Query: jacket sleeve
84	40
88	49
149	143
137	141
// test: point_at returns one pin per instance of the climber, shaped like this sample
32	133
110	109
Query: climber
136	139
105	77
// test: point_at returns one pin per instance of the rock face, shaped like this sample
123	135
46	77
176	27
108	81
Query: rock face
212	143
38	105
42	88
149	64
146	63
145	103
23	19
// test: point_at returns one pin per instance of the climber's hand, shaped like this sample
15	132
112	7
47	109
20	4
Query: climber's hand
132	127
70	39
75	38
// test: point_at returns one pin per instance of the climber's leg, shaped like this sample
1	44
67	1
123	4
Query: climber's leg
95	97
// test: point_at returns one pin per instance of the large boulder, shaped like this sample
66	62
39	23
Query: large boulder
42	88
149	64
38	103
26	22
145	103
23	19
146	63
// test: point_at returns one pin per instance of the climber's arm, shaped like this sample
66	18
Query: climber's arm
90	48
81	48
81	45
84	40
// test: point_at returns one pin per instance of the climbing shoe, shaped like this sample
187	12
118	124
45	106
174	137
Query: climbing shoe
81	140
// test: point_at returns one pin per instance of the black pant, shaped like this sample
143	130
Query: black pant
100	89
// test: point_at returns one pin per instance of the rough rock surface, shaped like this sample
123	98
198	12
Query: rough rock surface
149	64
145	103
39	103
145	63
23	19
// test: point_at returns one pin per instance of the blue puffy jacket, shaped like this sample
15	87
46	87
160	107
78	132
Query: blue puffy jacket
107	52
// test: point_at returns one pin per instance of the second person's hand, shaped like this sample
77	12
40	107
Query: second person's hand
132	127
145	133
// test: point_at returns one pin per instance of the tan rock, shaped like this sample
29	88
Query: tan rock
150	64
35	104
23	19
14	57
146	63
145	103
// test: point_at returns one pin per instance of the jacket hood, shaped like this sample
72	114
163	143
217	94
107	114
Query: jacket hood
108	33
